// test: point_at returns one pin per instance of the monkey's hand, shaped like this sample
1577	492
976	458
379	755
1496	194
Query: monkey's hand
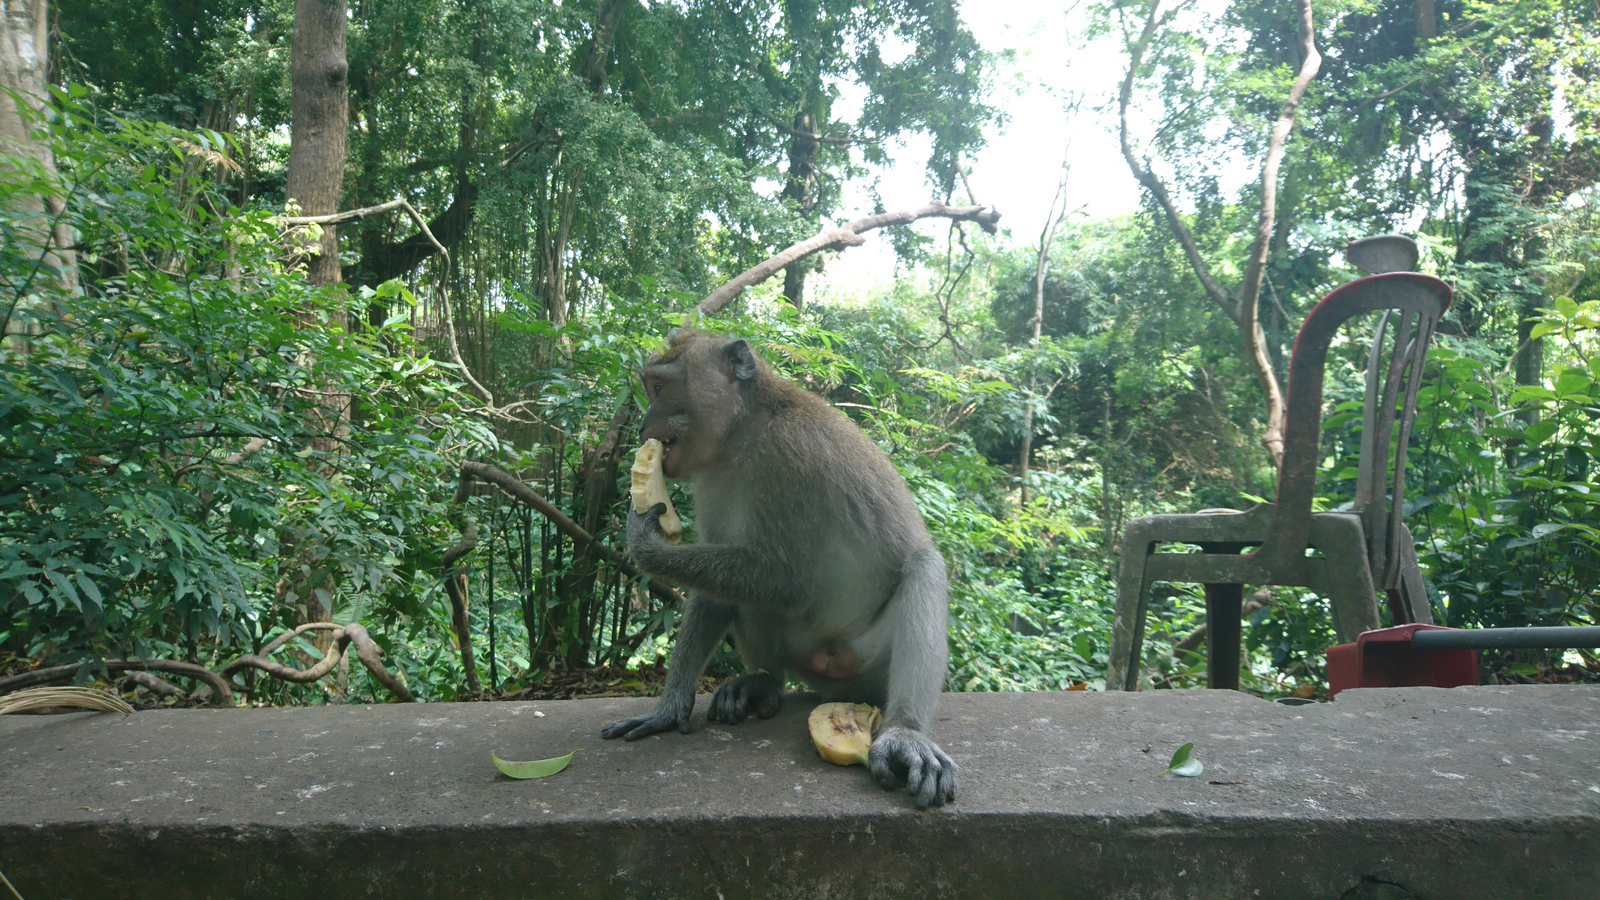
929	774
644	530
669	713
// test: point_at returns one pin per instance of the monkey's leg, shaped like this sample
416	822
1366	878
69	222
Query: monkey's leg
760	642
704	623
916	673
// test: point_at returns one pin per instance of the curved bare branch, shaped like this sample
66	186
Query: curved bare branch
848	235
221	694
367	650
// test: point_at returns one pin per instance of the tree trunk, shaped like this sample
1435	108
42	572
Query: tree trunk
25	68
802	175
1042	268
318	115
319	111
1241	306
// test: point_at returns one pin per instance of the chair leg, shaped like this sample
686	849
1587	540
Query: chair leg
1224	635
1347	576
1127	628
1413	593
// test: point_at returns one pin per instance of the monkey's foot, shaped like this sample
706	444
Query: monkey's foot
930	775
666	716
758	693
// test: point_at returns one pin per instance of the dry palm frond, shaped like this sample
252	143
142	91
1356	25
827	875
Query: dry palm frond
210	156
77	697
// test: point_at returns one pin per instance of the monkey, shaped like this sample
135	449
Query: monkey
810	548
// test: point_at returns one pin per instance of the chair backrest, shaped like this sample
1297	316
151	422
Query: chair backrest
1418	301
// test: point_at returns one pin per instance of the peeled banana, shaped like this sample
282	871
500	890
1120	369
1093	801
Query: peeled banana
843	731
649	487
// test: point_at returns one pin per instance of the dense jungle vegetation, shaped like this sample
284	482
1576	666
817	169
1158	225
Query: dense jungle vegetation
217	425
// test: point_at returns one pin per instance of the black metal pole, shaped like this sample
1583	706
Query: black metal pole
1549	638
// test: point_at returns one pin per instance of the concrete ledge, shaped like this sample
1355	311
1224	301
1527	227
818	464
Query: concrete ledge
1471	792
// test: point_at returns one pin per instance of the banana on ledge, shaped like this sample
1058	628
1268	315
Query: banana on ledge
843	731
649	487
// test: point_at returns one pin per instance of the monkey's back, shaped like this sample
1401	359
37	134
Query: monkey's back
826	491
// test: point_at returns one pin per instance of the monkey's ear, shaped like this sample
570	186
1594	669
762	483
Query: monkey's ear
741	360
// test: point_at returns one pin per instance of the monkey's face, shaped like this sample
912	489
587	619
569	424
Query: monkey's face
694	393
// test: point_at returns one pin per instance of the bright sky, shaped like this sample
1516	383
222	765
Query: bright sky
1017	171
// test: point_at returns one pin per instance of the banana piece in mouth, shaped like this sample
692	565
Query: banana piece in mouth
842	732
649	487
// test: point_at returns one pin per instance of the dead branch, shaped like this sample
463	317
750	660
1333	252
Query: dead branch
221	695
152	683
520	491
849	235
367	650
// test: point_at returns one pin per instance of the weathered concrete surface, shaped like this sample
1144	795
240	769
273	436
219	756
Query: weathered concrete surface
1471	792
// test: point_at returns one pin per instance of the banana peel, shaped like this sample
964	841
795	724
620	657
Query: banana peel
649	487
842	732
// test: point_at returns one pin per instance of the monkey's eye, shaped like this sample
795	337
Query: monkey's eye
658	389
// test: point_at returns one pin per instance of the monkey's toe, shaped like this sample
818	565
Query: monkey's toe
644	726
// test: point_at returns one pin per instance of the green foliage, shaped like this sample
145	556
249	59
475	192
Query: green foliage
191	445
196	448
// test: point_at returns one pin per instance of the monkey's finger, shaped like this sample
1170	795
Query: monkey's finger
653	514
914	777
620	729
883	773
922	778
947	780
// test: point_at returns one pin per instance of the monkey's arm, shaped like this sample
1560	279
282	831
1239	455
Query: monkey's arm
705	621
729	572
920	608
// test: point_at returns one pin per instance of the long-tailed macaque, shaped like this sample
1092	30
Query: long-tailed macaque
810	547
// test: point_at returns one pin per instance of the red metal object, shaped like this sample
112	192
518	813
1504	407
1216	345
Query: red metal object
1388	658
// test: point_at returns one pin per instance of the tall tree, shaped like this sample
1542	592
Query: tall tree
25	70
318	123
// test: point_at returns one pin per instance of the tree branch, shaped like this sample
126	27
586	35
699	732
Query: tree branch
1250	290
367	651
221	695
1153	184
449	317
838	238
519	490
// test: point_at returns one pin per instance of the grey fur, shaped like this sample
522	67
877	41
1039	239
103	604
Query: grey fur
810	547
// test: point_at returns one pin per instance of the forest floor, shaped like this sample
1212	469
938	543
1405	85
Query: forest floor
592	682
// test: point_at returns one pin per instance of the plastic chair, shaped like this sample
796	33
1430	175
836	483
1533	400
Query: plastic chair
1349	556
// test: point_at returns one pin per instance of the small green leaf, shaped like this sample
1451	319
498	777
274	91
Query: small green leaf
1189	768
1180	760
535	768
